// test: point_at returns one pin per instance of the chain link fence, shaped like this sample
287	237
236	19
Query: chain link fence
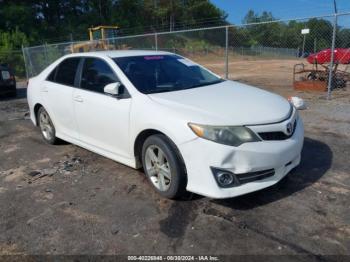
266	53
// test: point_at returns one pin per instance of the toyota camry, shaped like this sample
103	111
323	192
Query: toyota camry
188	128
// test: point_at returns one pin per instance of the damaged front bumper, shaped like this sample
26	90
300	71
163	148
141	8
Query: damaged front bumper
246	161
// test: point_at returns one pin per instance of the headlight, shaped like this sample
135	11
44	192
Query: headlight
227	135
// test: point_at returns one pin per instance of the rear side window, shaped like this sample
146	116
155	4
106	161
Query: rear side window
52	75
96	75
65	72
5	74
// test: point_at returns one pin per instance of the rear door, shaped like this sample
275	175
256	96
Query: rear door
58	93
103	120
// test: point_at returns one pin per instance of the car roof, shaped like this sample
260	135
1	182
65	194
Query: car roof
120	53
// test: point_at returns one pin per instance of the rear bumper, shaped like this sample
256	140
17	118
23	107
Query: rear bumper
201	156
7	89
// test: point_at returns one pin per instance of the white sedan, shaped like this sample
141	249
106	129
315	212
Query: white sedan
188	128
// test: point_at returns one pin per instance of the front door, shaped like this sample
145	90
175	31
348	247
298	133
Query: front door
103	120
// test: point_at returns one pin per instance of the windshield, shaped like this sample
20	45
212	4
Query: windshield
164	73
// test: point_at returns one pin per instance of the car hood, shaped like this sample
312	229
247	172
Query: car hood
226	103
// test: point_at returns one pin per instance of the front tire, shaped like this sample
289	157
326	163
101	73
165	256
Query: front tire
47	128
163	166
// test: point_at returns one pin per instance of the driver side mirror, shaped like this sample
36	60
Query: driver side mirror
113	89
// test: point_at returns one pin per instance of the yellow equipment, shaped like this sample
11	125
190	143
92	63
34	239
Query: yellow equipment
103	32
101	38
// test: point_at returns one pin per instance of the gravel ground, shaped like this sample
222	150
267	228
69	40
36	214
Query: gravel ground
66	200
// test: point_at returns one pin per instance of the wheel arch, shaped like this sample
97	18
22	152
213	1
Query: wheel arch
36	110
141	138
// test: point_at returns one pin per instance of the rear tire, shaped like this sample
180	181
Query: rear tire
47	128
164	167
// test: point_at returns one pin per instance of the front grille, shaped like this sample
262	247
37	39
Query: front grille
254	176
279	135
273	136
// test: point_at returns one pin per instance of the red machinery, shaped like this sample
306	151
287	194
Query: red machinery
316	77
341	56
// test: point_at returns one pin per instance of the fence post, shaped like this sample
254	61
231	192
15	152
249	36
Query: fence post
25	63
330	76
315	45
71	44
156	41
46	53
226	53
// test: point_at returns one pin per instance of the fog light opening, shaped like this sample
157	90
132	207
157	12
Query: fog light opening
224	179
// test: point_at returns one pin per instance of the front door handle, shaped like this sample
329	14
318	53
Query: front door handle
78	99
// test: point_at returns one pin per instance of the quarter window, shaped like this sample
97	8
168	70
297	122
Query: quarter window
66	72
96	75
52	75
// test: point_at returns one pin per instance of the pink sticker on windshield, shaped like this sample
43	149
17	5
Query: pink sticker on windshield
153	57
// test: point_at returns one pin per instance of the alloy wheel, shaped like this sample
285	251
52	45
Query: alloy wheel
46	126
157	168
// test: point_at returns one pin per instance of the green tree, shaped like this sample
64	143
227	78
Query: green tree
10	45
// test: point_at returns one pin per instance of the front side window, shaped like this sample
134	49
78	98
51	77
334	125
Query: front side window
164	73
66	72
96	75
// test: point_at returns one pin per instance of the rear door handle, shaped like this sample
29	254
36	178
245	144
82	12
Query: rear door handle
78	99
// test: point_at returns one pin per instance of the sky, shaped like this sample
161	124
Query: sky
283	9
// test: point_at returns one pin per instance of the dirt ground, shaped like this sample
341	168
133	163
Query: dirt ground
66	200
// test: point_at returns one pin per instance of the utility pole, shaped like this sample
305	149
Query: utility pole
304	44
304	32
330	76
